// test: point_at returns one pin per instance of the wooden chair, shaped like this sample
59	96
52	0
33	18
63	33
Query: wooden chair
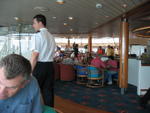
81	74
95	77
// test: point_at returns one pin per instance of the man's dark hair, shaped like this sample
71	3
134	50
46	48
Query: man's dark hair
40	18
15	65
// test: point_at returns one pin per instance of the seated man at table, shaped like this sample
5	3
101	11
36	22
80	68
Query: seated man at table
67	60
19	91
112	71
97	62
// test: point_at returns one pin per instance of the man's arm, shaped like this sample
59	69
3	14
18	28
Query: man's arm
110	65
34	58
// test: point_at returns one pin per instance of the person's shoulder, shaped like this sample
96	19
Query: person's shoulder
50	35
30	89
38	35
33	84
42	32
33	80
47	33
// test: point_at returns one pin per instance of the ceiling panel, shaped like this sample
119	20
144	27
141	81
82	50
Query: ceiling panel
137	18
86	15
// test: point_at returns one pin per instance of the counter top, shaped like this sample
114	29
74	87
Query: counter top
145	64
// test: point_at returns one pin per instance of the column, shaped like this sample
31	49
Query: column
124	45
90	42
68	42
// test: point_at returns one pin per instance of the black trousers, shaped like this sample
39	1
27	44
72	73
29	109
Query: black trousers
44	73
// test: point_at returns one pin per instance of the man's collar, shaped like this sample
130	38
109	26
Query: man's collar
41	29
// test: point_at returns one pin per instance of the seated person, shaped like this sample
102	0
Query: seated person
87	58
19	91
112	71
57	53
67	60
58	59
76	61
72	55
67	48
97	62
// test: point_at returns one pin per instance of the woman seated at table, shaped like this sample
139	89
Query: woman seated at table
112	69
97	62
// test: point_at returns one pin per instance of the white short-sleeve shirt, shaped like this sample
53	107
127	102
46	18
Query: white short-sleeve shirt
44	44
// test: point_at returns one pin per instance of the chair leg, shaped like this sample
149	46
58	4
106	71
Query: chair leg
95	85
80	80
102	82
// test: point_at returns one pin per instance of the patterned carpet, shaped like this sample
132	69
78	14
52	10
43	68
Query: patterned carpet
107	98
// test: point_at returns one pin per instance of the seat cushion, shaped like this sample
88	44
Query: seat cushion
48	109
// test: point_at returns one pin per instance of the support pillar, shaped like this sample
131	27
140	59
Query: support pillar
124	45
68	42
90	43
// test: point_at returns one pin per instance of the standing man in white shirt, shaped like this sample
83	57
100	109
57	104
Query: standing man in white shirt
43	50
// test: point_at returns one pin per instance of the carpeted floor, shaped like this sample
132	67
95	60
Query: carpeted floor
68	106
107	98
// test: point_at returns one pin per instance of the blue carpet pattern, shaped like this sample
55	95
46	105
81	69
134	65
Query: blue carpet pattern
107	98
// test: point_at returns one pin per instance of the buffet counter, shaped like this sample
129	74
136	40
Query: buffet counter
139	75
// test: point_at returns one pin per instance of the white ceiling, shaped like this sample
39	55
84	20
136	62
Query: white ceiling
86	15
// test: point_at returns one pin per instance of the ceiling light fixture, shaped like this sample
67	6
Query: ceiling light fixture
124	5
60	2
106	16
16	18
71	29
54	17
98	5
70	18
65	24
42	9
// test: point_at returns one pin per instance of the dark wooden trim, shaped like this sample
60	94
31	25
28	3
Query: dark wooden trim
140	8
144	89
145	64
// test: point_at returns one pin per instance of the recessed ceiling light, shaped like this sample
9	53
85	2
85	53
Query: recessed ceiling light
124	5
42	9
16	18
71	29
54	17
70	18
65	24
106	16
98	5
60	1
